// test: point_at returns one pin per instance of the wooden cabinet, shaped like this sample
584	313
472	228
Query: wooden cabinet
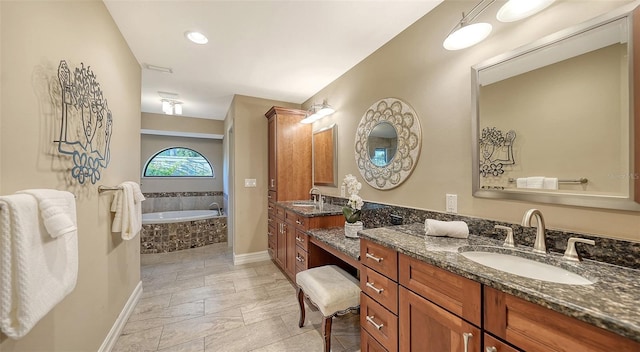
427	327
491	344
532	327
289	154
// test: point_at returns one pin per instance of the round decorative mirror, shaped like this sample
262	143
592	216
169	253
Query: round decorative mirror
388	143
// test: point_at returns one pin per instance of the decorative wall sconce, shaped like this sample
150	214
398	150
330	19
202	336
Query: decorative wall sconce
466	34
318	111
171	107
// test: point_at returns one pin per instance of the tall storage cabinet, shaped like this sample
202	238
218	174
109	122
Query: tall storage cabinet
289	176
289	155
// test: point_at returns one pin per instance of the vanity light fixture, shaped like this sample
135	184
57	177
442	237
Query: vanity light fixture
171	107
318	111
515	10
196	37
464	34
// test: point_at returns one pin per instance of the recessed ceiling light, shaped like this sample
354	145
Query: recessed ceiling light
158	68
196	37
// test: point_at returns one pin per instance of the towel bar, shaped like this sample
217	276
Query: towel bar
579	181
106	188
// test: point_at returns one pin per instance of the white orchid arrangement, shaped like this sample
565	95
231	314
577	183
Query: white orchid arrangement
353	208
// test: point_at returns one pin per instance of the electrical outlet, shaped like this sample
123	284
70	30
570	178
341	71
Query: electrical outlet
250	182
342	191
452	203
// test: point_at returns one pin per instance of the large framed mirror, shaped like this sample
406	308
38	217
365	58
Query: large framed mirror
553	121
325	160
387	143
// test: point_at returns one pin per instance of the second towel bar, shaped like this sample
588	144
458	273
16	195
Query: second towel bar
578	181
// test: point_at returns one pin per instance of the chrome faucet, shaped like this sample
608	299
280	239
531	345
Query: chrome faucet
315	191
539	245
217	206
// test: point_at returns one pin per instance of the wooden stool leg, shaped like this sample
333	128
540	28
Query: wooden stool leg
326	333
301	303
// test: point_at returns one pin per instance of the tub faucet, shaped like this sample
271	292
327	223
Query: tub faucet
539	245
315	191
217	207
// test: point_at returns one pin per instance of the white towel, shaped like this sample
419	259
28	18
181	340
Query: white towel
550	183
458	229
521	182
127	205
535	182
36	271
58	210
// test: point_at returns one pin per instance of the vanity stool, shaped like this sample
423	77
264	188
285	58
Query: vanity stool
332	290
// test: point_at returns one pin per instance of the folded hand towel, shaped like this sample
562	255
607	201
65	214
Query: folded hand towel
128	208
521	182
58	210
36	271
535	182
458	229
550	183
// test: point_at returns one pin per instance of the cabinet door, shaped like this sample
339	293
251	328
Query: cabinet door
290	265
281	244
272	154
426	327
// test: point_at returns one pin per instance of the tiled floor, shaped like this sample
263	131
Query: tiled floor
197	300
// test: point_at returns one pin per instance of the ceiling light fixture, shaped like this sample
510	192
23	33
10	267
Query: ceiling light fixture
196	37
318	111
158	68
515	10
464	34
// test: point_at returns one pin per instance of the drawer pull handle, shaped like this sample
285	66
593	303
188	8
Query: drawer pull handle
491	349
372	322
299	258
371	256
273	184
465	338
299	239
269	220
299	222
370	285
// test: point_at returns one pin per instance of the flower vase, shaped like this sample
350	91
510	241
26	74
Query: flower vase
351	229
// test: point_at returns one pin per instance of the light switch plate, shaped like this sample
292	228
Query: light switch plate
250	182
452	203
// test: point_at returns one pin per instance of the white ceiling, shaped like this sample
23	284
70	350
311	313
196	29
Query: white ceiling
282	50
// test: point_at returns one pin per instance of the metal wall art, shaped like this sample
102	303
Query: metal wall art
387	144
85	130
496	151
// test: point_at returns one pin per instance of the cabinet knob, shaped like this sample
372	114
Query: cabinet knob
372	322
371	256
465	338
491	349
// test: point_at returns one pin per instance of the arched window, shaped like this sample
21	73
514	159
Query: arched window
178	162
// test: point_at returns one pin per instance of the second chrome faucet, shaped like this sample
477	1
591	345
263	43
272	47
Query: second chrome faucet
539	245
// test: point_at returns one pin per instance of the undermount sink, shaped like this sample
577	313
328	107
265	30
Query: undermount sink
303	203
525	267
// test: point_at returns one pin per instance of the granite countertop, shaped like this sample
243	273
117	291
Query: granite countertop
310	212
610	303
334	237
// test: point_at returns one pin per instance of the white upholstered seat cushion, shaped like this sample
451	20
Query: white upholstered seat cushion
330	288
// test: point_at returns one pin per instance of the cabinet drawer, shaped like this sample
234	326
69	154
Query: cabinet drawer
381	259
379	322
297	220
280	212
380	288
301	259
369	344
455	293
271	208
302	240
491	344
272	196
532	327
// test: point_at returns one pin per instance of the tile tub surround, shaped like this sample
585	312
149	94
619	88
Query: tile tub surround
610	303
607	250
163	238
170	201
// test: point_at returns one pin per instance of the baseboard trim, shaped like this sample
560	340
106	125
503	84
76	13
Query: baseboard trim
239	259
111	339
